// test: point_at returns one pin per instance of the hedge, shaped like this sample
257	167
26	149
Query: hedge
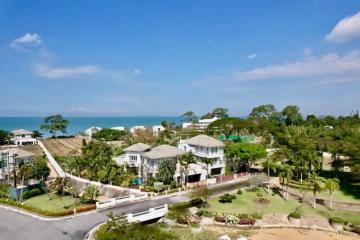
79	209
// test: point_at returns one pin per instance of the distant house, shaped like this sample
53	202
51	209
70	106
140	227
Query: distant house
23	137
157	129
204	146
11	158
119	128
133	129
91	131
201	125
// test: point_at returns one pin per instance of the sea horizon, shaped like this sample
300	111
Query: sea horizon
79	124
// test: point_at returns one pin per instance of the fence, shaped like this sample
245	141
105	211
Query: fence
105	189
151	214
116	201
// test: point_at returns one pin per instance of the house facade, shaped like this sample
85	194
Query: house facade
202	124
11	158
23	137
209	152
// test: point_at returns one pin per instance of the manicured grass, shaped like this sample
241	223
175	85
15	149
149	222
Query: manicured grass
52	202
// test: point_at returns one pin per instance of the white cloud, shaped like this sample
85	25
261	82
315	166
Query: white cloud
329	65
252	56
28	40
346	29
44	70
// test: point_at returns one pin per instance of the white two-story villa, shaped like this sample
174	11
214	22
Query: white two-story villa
23	137
11	158
205	147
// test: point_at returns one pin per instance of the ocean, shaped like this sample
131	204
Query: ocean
80	124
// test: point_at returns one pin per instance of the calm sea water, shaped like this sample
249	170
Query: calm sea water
80	124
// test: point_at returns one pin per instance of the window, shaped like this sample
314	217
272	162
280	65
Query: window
214	150
133	158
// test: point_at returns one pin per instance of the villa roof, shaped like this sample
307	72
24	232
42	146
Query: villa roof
18	152
163	151
204	141
137	147
21	131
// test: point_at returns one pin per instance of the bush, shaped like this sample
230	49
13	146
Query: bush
296	215
257	215
245	219
220	218
188	219
336	220
198	202
33	192
227	198
261	201
204	213
239	192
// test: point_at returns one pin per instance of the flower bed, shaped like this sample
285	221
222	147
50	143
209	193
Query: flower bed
261	201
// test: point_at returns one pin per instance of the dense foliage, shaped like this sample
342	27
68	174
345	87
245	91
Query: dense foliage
108	134
55	123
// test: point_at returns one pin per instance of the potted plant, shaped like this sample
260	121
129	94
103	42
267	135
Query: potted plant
295	216
337	223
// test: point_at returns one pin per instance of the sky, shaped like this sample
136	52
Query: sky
163	58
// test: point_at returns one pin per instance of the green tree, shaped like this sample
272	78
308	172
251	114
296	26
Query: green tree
55	123
4	137
91	192
61	185
208	162
166	170
25	172
108	134
189	116
269	163
40	168
332	184
292	115
220	112
263	111
286	173
315	185
185	160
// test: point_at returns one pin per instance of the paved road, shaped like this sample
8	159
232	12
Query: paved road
16	226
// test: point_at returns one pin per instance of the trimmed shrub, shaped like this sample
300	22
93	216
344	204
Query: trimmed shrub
198	202
32	193
245	219
220	218
257	215
239	192
227	198
261	201
296	215
336	220
188	219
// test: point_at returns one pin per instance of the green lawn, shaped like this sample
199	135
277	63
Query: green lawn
51	202
244	204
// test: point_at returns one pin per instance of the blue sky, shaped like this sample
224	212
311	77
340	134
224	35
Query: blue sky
135	58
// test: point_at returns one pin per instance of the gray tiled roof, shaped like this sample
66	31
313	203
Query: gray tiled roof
204	141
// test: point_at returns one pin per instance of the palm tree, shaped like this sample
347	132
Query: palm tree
166	170
185	160
286	172
25	171
332	184
270	164
315	184
313	160
207	162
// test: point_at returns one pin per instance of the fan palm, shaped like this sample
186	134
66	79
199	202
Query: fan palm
208	162
185	160
166	170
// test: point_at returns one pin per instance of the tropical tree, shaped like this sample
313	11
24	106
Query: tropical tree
286	173
292	115
91	192
55	123
263	111
61	185
220	112
208	162
25	172
271	165
40	168
166	170
185	160
4	137
189	116
332	184
315	185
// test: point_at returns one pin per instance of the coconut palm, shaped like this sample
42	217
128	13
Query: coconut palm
332	184
270	164
25	171
208	162
286	173
185	160
315	184
166	170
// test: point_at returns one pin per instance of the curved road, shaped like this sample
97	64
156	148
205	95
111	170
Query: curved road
16	226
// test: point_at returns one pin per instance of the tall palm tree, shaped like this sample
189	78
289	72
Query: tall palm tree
25	171
269	164
185	160
166	170
332	184
208	162
315	184
286	173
